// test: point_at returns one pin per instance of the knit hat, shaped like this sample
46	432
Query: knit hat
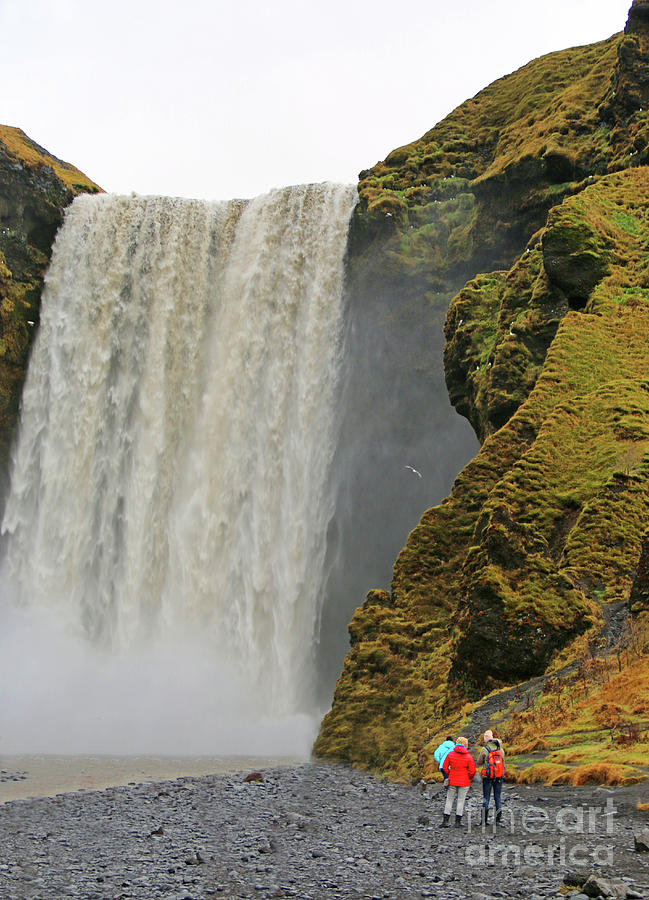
463	741
488	736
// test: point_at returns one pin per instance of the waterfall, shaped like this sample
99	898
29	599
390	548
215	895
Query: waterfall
166	526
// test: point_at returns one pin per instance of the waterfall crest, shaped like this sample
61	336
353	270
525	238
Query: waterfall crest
178	425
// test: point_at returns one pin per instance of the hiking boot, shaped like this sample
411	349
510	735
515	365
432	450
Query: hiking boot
499	815
458	821
445	823
484	818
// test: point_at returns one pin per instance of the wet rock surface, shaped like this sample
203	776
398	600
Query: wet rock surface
316	831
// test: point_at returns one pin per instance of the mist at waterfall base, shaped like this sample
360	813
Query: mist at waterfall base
164	537
59	694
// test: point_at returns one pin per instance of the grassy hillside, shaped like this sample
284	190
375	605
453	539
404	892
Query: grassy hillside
592	724
543	532
18	146
463	199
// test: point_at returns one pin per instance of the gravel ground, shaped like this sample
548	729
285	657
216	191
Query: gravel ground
313	831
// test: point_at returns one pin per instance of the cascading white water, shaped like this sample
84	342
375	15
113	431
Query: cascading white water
169	498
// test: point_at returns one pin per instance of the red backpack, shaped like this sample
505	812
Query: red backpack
495	765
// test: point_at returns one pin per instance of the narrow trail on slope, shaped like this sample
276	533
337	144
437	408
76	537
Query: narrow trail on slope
526	693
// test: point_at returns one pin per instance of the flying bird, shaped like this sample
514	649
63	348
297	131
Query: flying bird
414	470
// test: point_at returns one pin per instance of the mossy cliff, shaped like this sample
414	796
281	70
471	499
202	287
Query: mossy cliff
463	199
35	188
541	181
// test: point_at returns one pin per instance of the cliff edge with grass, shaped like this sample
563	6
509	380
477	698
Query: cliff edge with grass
536	194
35	188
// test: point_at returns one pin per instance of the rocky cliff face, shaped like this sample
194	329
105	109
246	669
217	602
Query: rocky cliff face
463	199
540	181
35	188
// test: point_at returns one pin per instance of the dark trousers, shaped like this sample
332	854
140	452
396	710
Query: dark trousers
487	785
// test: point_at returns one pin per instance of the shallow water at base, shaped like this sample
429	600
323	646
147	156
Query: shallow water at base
46	776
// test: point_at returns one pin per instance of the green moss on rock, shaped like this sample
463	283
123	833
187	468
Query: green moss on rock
545	527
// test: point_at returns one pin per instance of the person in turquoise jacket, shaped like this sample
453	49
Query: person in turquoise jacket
442	752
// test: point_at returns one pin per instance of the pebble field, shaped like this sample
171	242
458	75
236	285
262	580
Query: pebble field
317	832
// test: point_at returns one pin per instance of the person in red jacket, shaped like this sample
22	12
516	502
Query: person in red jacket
459	767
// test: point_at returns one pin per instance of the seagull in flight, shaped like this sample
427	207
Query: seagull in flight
414	470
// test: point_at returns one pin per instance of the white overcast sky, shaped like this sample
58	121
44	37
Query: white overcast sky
215	99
